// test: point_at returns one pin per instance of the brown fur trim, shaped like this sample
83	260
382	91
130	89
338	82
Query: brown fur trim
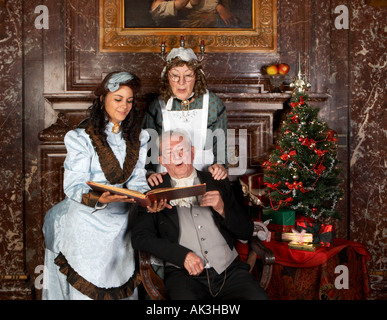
91	290
109	163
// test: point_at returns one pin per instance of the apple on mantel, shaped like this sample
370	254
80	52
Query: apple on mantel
281	68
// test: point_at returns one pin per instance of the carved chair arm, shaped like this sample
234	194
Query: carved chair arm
268	260
152	282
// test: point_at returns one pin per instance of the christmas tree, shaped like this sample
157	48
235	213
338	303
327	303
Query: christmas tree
302	173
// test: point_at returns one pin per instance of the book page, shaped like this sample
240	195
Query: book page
121	191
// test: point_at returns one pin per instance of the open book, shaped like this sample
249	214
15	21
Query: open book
145	199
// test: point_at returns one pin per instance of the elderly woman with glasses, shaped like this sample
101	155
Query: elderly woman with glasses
185	103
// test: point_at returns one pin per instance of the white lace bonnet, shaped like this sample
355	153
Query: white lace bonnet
185	54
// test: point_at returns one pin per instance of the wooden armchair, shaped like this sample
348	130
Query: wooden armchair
154	285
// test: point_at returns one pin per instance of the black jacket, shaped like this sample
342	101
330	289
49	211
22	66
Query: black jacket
158	233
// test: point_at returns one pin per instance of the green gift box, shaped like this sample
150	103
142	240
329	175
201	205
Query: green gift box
282	220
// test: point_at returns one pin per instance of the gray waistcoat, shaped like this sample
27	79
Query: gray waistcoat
199	233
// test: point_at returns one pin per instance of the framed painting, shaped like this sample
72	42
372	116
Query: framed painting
221	25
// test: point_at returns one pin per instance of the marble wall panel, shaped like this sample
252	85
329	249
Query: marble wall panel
368	147
33	121
11	150
333	73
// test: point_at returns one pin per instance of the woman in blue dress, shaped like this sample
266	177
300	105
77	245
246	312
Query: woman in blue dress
88	249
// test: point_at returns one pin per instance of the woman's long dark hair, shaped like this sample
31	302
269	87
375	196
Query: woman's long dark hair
99	118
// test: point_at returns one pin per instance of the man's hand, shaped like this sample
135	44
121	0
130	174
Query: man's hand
193	264
214	200
107	197
155	179
157	206
218	172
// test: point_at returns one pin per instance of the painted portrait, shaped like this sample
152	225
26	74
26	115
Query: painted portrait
198	14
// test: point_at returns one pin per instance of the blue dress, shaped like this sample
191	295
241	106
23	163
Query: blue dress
94	242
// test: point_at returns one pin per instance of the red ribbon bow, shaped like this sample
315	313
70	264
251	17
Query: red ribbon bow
271	185
295	119
320	152
308	142
296	185
286	156
266	164
300	103
331	136
319	169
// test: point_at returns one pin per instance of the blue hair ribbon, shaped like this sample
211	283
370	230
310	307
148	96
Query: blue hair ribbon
114	82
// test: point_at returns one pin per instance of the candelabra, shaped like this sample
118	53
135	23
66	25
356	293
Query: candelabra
182	45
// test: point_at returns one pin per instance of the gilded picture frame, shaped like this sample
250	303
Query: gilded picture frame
259	36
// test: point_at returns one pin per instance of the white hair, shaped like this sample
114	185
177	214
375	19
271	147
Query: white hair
174	135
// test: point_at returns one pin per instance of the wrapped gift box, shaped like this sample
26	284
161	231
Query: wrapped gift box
296	237
282	220
323	234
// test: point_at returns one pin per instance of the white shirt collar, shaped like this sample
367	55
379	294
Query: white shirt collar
184	182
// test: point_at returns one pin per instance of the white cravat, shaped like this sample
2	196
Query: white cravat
184	182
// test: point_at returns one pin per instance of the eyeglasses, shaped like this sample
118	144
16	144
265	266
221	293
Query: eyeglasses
187	77
175	153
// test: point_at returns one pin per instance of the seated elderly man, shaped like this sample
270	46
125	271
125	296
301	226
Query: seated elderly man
195	236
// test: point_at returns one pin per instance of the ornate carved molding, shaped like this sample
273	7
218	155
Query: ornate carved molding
114	37
57	131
